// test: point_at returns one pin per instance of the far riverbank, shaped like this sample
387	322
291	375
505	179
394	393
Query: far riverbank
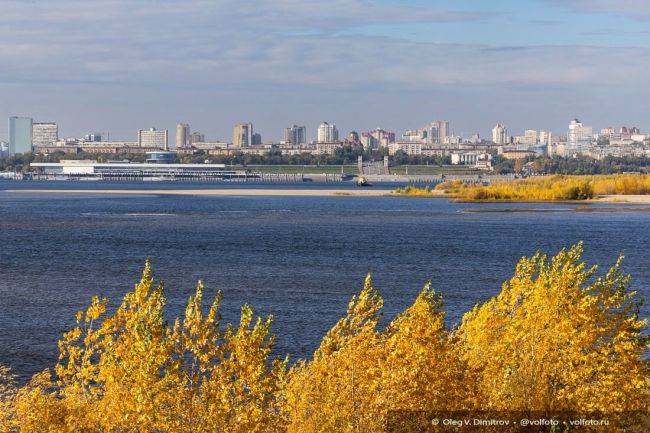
289	192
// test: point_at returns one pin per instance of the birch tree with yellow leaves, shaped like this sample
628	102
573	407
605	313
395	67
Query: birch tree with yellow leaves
558	338
360	373
131	372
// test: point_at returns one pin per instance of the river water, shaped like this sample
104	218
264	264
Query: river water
298	258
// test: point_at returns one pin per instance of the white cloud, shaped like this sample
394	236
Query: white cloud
196	48
232	41
639	9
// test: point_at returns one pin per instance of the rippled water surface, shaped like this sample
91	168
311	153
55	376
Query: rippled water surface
298	258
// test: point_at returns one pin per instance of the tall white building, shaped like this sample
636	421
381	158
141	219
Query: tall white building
44	134
499	134
327	133
242	135
579	137
182	135
153	138
438	132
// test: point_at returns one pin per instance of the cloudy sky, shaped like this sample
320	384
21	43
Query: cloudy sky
120	65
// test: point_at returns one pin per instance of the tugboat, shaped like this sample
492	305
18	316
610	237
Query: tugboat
362	181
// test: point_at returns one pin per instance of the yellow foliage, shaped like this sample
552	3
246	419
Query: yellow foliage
133	373
555	338
547	188
359	373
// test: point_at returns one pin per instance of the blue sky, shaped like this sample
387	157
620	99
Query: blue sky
120	65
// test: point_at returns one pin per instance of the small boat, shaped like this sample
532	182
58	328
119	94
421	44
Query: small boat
362	181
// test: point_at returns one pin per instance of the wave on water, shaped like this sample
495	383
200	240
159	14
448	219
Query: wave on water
150	214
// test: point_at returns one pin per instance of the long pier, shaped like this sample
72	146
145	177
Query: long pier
200	176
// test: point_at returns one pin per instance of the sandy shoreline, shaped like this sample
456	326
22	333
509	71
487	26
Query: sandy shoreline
634	199
365	192
361	192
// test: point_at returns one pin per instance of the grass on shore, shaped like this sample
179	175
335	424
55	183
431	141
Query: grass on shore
413	170
431	170
547	188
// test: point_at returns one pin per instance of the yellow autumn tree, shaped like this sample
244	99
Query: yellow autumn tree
423	368
131	372
558	338
360	373
334	391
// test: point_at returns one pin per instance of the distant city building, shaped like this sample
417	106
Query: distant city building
438	132
295	135
415	135
544	137
480	160
20	135
242	135
579	137
44	134
630	131
515	154
407	147
161	157
327	148
153	138
377	138
209	145
327	133
530	137
607	131
4	149
499	134
197	137
182	136
353	137
473	139
256	139
93	138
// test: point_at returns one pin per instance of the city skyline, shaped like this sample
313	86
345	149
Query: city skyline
375	64
435	132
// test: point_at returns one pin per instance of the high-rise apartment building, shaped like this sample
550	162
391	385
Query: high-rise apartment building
415	135
377	138
327	133
182	135
197	137
499	134
579	137
531	137
438	132
242	135
153	138
94	137
44	134
544	137
20	135
295	135
256	139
